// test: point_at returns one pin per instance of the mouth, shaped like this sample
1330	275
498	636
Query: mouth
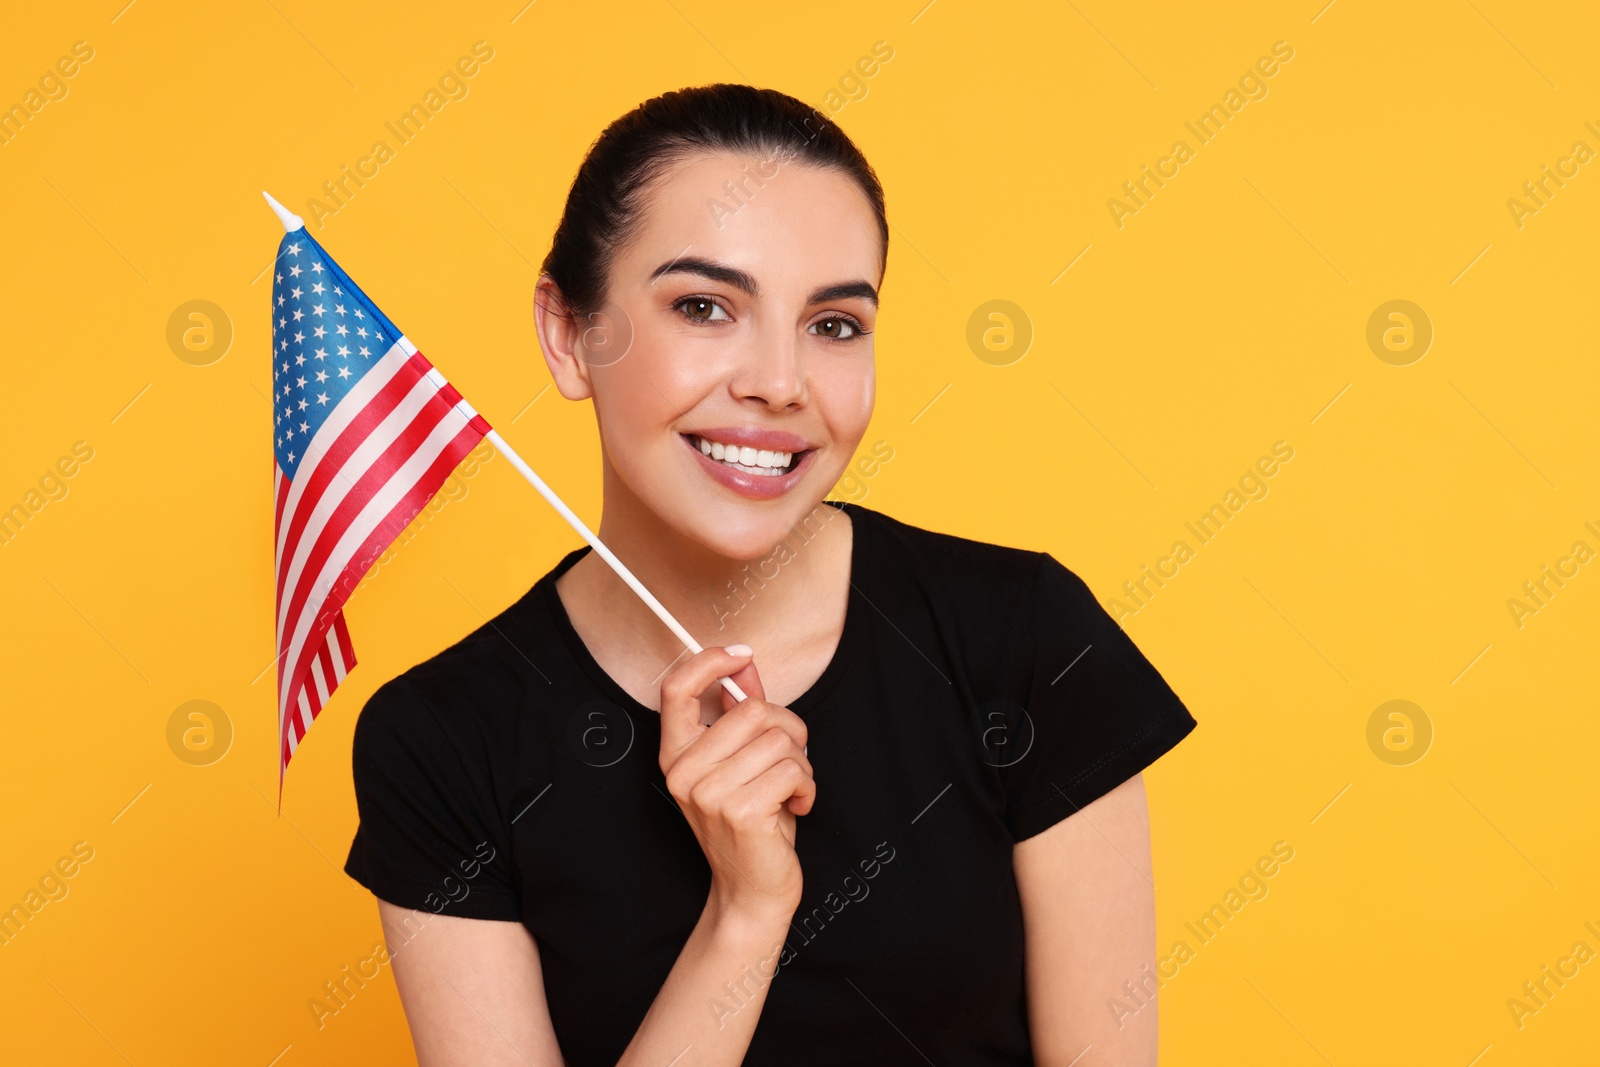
761	462
759	474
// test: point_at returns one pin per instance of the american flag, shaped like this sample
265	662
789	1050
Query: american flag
365	431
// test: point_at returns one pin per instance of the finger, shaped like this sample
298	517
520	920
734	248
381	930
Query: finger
785	788
745	678
771	746
681	690
744	725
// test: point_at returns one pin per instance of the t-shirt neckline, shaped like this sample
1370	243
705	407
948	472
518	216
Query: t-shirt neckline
849	637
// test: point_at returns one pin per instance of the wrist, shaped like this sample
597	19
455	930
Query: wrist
747	921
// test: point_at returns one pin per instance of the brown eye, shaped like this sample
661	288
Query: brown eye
837	328
699	309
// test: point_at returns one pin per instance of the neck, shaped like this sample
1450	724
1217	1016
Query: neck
763	602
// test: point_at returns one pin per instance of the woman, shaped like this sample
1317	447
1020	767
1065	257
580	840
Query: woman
586	852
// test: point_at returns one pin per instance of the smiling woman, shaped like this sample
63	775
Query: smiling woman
666	859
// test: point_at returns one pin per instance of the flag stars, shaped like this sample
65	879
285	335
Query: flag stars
304	426
294	249
361	331
344	372
365	351
296	292
285	367
339	309
315	266
322	376
322	353
320	332
301	382
342	330
302	406
280	300
359	315
344	350
277	279
294	270
322	398
317	288
318	309
298	314
300	359
298	337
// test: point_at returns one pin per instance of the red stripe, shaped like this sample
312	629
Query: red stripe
382	535
360	428
327	670
355	499
347	651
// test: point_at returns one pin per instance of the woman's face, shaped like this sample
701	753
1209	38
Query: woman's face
739	314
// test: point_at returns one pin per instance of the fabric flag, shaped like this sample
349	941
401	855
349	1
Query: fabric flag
365	432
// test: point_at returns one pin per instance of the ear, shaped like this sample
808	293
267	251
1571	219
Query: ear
560	337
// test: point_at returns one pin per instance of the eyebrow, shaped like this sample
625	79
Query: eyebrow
745	282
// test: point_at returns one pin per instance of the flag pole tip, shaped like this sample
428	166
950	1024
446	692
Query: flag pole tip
291	221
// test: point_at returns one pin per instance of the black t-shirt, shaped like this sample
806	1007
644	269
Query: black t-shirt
979	694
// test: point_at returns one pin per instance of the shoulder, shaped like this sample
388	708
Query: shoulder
466	695
968	571
948	556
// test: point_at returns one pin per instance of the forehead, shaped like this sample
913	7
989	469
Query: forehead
783	221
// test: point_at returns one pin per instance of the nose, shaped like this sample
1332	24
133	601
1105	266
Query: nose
772	370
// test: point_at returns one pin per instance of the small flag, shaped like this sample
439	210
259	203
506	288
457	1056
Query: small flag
364	432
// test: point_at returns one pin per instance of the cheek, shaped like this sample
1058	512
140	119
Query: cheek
638	397
847	396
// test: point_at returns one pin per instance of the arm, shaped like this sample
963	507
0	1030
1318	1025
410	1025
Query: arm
1088	905
472	990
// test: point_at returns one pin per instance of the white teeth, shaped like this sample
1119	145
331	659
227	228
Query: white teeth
751	460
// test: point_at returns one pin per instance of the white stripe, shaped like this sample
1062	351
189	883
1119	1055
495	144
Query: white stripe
294	742
336	653
360	461
321	682
377	508
340	417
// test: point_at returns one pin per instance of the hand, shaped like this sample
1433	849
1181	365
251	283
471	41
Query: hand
740	782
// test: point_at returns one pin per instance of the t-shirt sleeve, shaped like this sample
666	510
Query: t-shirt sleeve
1097	712
430	837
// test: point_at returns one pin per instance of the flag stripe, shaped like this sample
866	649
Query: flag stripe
372	463
336	515
373	398
378	444
382	515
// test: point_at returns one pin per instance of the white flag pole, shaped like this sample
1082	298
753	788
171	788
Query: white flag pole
606	554
293	222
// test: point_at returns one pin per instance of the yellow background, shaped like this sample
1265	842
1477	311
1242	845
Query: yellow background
1229	313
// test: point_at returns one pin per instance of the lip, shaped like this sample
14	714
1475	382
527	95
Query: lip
753	486
754	437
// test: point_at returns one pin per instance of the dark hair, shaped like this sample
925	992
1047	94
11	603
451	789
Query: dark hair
604	201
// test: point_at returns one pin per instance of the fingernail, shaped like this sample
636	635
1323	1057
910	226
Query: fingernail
738	650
